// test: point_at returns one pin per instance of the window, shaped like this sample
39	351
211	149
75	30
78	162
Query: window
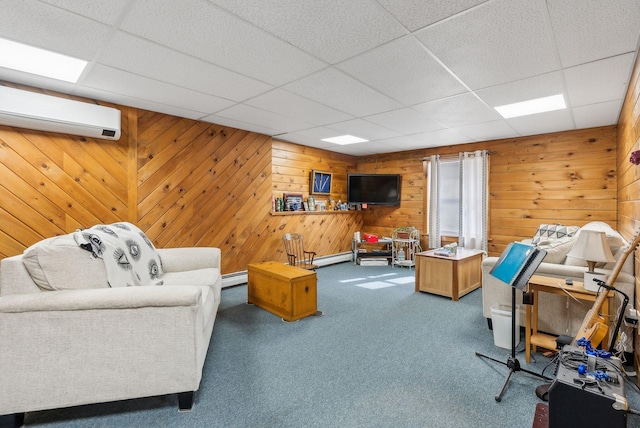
450	197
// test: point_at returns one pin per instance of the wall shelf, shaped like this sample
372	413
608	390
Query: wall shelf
313	212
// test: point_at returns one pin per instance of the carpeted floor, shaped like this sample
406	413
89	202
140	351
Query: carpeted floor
381	356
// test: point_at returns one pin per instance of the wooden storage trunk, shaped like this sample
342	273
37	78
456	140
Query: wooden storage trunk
287	291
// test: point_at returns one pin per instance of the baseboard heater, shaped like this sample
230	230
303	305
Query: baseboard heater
237	278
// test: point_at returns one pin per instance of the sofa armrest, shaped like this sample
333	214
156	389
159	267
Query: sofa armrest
191	258
103	298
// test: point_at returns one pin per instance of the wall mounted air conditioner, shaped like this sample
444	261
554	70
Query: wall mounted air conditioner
30	110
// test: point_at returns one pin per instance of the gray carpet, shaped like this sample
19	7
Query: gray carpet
382	356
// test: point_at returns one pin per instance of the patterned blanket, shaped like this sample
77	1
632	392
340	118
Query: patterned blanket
129	256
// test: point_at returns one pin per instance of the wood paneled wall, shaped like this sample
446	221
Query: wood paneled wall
184	182
52	183
628	173
629	178
383	220
189	183
328	233
567	178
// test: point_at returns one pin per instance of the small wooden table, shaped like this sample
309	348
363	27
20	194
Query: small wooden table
548	284
452	276
287	291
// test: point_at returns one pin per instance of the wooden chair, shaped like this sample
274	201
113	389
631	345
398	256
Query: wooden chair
296	254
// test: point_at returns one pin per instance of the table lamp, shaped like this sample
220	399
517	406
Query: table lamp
592	247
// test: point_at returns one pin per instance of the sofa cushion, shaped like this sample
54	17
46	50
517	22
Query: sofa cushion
200	277
548	233
59	264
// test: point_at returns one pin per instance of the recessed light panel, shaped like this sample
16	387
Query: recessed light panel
29	59
539	105
345	139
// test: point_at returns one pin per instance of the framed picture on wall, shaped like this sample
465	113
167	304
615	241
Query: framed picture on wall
293	201
320	183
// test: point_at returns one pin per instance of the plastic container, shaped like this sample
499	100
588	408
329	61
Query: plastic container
501	320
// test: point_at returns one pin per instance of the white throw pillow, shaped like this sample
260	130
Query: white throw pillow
548	233
59	264
557	250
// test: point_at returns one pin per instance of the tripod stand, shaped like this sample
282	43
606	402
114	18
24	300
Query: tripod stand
512	362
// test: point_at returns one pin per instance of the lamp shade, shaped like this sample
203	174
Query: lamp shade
592	246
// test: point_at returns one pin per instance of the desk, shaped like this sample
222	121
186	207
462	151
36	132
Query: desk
452	276
547	284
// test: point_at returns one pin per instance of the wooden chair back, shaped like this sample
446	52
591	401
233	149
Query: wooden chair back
297	255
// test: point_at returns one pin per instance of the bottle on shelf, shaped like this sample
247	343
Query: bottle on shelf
401	255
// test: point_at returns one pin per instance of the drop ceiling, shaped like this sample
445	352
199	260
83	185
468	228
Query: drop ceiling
403	74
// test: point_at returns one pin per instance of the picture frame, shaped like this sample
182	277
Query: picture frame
320	183
293	201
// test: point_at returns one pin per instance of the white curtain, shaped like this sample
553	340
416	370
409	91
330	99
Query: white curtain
434	198
474	171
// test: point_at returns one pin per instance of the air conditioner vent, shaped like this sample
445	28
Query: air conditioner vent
30	110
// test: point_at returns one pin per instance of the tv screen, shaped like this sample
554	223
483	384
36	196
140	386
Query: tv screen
373	189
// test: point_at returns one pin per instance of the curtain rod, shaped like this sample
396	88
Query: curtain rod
426	158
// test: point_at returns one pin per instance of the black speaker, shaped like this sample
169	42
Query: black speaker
576	400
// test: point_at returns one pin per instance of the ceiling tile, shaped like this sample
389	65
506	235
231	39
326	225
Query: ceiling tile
342	92
498	42
219	38
132	85
305	140
415	14
99	94
239	124
362	128
107	12
242	112
44	26
396	144
542	123
601	114
599	81
405	121
139	56
442	137
364	149
288	104
601	28
531	88
417	76
332	34
487	131
460	110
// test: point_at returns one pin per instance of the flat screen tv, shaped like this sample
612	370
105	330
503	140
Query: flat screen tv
373	189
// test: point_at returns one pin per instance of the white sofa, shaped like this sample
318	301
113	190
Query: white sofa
78	339
561	314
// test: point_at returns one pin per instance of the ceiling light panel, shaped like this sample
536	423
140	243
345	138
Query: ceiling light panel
343	140
29	59
539	105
